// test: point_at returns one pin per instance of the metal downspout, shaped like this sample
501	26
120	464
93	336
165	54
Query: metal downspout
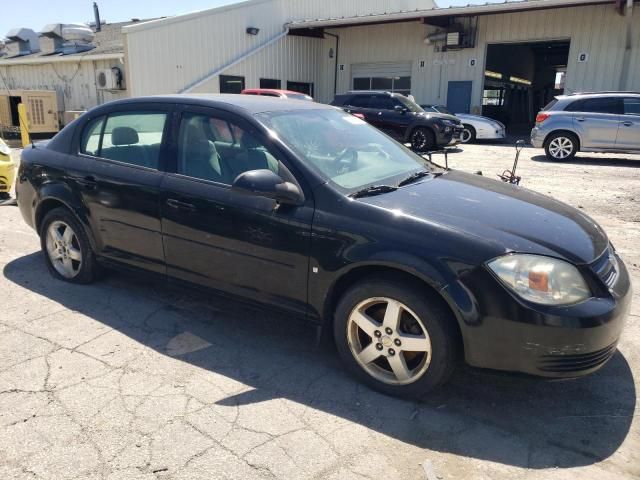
335	75
626	58
243	57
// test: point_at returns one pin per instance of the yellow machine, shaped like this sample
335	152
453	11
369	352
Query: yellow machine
7	170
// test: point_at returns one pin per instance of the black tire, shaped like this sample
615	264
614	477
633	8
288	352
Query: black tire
422	140
553	146
437	320
88	268
468	135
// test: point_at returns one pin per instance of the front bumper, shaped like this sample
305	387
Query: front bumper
491	134
7	173
559	341
454	137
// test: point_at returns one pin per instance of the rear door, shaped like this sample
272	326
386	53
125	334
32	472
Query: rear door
629	129
597	120
118	172
236	243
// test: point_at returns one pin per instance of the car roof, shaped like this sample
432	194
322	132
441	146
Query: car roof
575	95
369	92
272	90
247	104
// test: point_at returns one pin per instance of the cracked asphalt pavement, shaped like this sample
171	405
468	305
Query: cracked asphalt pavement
134	379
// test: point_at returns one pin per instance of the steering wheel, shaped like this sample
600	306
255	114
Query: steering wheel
346	161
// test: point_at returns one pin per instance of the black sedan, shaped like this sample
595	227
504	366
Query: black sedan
307	209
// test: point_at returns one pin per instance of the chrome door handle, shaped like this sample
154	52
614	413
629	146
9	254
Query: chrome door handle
581	119
627	123
183	206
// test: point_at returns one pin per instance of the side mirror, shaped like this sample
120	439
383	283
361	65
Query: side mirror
265	183
400	109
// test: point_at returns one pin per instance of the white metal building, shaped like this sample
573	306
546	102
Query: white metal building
74	78
496	58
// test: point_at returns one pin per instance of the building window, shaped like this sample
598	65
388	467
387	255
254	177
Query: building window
493	96
388	84
301	87
231	84
270	83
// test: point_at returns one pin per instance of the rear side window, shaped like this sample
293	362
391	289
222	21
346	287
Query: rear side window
550	105
383	102
360	101
611	105
134	138
90	143
631	106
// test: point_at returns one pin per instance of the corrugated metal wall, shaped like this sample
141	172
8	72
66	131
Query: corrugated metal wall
74	82
597	30
169	55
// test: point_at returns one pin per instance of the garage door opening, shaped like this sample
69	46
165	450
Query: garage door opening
520	79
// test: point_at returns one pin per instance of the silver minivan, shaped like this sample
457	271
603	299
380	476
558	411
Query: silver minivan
589	122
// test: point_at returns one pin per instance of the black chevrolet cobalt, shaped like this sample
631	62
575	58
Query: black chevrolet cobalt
304	208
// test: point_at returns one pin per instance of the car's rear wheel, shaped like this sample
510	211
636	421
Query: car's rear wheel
561	146
422	140
66	248
395	338
468	134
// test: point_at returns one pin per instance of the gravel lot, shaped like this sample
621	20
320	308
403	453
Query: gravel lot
133	379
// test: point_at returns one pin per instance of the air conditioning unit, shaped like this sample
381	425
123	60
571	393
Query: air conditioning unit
109	79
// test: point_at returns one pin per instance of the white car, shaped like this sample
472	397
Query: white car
476	127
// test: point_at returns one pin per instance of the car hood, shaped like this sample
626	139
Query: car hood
443	116
511	218
470	116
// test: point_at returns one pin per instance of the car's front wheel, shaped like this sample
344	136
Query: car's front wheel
66	248
468	134
394	336
422	140
561	146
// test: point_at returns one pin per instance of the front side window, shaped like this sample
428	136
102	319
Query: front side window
90	143
215	149
344	149
632	106
133	138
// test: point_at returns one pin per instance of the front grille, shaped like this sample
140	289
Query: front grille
606	267
575	363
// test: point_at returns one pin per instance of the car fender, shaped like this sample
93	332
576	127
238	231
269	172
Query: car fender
61	193
441	280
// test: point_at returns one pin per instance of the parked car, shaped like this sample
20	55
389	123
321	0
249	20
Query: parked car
307	209
271	92
476	127
402	119
606	122
7	170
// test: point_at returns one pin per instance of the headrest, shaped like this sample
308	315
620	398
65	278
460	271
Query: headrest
249	141
124	136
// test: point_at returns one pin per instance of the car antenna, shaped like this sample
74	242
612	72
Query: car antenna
22	120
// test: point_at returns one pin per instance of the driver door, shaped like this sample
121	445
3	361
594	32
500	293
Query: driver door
243	245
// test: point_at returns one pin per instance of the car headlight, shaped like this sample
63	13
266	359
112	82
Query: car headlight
4	148
540	279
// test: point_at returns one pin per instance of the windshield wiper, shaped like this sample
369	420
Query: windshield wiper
412	178
373	190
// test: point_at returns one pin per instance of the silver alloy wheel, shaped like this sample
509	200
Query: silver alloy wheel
63	249
465	137
561	147
419	140
389	341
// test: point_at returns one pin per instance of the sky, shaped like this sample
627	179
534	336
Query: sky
35	14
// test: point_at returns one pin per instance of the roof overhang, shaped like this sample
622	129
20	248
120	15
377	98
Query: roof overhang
43	60
423	15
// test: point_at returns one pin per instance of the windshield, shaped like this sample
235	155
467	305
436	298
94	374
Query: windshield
411	105
344	149
443	109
